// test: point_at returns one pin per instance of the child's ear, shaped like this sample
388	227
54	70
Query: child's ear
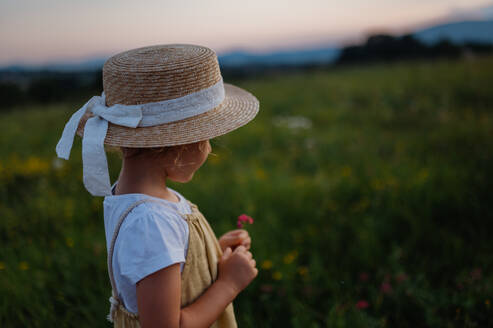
205	146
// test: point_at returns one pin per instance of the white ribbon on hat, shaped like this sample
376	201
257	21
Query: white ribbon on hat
95	166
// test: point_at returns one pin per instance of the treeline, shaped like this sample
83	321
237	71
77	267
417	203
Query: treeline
385	48
24	88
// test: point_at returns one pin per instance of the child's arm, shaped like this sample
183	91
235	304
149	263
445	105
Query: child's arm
207	308
158	295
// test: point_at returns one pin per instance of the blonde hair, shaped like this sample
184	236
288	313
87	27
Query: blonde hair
160	151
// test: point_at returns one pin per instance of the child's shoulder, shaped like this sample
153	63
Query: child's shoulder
144	207
150	217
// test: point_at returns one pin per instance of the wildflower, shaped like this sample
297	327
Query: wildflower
57	163
331	205
378	184
346	171
260	174
386	288
401	277
293	122
23	266
243	219
277	275
267	264
362	304
363	276
476	274
308	290
68	209
361	205
289	258
391	182
341	308
310	143
303	270
266	288
70	242
34	165
97	248
214	159
2	266
423	175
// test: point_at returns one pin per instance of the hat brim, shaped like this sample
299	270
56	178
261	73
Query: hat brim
238	108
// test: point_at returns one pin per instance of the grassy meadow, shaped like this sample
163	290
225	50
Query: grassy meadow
371	189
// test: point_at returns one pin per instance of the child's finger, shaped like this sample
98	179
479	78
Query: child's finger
236	238
240	248
253	263
247	242
226	253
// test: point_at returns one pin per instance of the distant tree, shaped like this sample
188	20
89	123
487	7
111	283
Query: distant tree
43	90
445	48
479	48
386	48
11	95
62	86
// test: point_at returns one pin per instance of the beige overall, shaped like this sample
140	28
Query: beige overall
199	270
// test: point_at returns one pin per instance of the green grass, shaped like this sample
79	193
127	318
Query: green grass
384	196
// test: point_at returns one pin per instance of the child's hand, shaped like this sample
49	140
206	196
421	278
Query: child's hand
235	238
237	268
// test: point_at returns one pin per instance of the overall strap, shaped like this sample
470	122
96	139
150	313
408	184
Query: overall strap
114	300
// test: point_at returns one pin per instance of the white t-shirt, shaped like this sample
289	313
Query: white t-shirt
152	237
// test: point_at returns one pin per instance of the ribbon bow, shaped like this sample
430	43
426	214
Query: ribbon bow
95	165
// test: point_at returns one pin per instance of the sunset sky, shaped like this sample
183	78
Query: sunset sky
36	32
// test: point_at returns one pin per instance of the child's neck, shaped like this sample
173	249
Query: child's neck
143	178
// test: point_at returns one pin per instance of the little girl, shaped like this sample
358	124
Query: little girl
160	106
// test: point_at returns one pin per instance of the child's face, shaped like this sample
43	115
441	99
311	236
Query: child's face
182	163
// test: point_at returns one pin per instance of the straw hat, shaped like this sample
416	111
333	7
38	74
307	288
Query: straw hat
164	72
154	96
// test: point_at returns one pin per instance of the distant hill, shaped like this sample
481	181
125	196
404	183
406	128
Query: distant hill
284	58
229	60
458	32
92	64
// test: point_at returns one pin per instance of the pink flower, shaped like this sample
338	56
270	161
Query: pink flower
476	274
363	276
362	304
401	277
386	288
266	288
243	219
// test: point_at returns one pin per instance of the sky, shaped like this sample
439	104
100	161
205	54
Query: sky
47	31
